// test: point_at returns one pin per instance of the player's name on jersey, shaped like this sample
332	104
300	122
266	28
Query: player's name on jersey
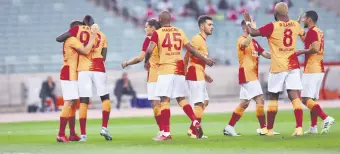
172	53
286	49
170	29
287	24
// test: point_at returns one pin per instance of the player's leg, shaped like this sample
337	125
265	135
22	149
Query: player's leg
72	121
311	87
198	95
275	85
294	85
70	92
261	116
163	90
85	92
236	115
156	106
106	109
64	115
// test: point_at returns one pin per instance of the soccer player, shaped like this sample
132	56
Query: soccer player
171	80
91	69
195	75
69	85
313	73
248	51
150	26
284	68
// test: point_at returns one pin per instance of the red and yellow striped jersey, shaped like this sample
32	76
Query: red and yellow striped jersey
314	62
154	61
196	67
282	37
248	59
69	69
170	41
94	61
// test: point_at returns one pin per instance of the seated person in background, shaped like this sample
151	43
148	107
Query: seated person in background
47	90
124	87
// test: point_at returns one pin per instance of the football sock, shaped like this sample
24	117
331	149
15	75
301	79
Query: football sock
72	120
298	112
260	115
187	109
82	117
198	110
315	108
106	109
313	118
65	113
271	113
165	116
238	112
157	114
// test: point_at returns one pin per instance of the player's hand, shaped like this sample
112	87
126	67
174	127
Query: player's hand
253	23
298	52
94	29
300	16
208	78
209	62
124	64
146	66
246	16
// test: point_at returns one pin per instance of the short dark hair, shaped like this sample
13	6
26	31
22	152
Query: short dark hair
88	20
243	22
202	19
313	15
154	23
75	23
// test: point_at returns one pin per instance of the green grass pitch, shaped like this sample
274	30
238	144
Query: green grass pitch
134	135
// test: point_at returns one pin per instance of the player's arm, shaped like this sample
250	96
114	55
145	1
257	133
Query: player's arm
245	43
104	51
134	60
186	61
148	53
208	78
87	48
314	48
196	54
72	32
264	31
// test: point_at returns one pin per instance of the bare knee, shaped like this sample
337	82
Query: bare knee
244	104
84	100
273	96
155	103
259	99
165	99
293	94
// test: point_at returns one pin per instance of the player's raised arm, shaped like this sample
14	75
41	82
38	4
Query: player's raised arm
86	50
193	52
72	32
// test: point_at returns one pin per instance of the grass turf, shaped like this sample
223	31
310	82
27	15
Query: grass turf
133	135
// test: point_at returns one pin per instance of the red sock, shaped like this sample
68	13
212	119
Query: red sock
72	124
82	122
234	118
62	126
317	109
105	118
165	115
298	117
190	113
270	119
262	120
199	120
158	120
313	118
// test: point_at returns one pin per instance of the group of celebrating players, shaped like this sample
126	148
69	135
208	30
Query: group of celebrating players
171	76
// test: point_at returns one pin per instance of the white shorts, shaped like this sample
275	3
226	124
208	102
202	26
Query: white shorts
151	86
311	85
171	85
291	80
85	80
197	91
250	89
69	89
